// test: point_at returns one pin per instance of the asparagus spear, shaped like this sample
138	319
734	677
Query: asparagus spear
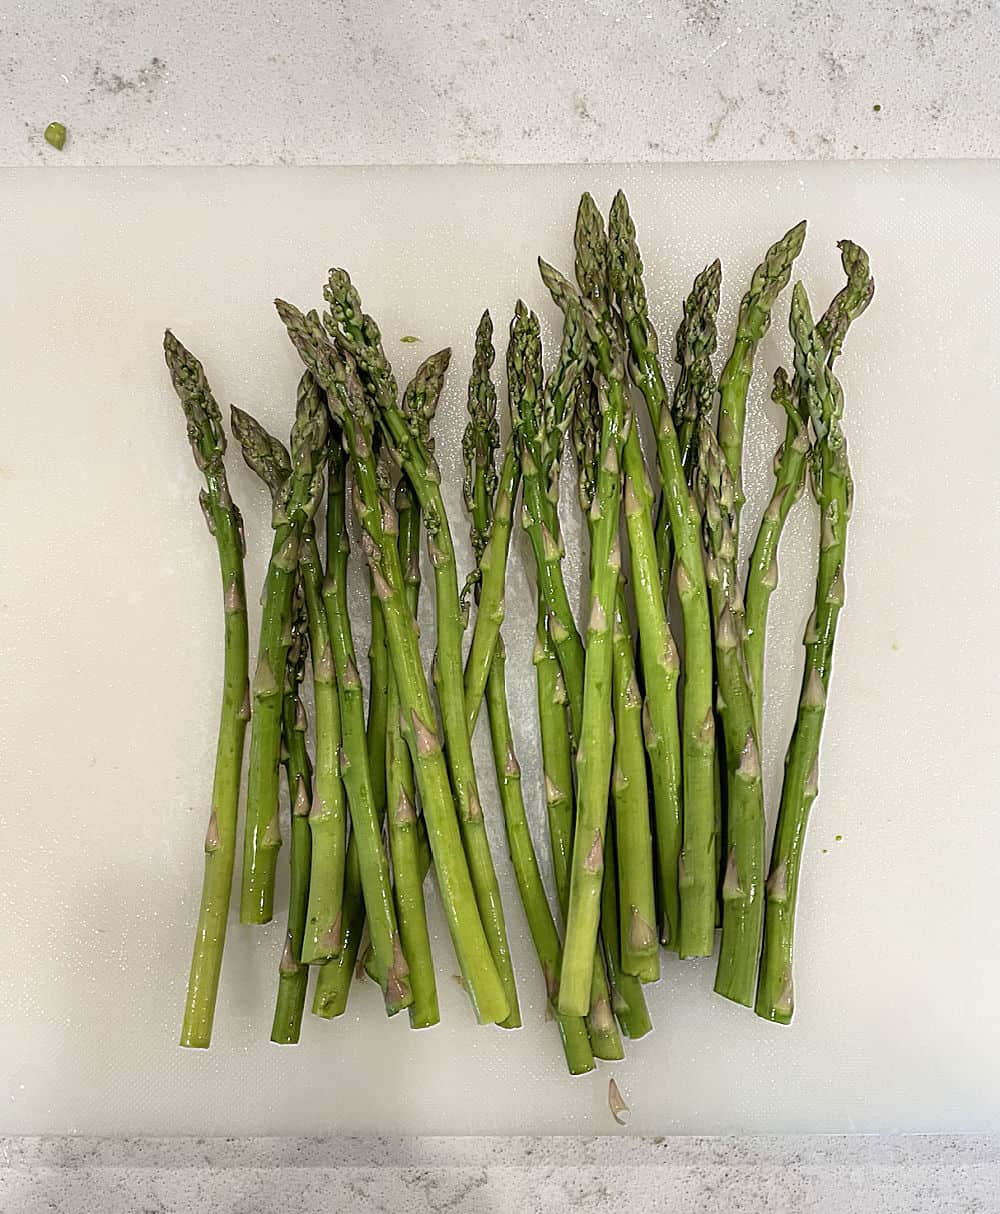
696	866
540	415
480	442
333	983
295	485
594	755
627	1000
293	976
790	462
742	887
406	429
337	372
327	815
767	282
657	651
833	490
402	805
208	445
388	960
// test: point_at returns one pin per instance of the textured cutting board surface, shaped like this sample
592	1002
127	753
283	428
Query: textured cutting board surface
112	643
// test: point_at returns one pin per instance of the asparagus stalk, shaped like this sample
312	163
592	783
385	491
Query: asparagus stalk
337	372
333	982
208	445
833	490
402	805
594	756
627	999
742	886
406	429
696	866
293	975
540	415
480	442
388	960
639	943
295	485
657	651
327	814
790	461
767	282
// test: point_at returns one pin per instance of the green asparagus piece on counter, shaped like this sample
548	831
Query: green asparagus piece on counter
378	699
767	282
293	975
742	886
594	755
833	489
388	960
333	982
406	428
327	812
338	373
627	999
402	803
790	461
696	866
208	445
480	443
540	414
295	485
657	652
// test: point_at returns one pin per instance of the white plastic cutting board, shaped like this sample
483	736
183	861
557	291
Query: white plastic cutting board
111	634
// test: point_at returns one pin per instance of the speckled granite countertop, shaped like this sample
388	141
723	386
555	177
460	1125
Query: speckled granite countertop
404	81
444	81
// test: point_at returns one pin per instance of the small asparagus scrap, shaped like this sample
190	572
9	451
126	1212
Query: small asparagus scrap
816	351
295	485
481	441
696	865
790	461
293	975
208	445
338	372
767	282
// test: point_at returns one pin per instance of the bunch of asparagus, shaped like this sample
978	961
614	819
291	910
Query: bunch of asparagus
652	773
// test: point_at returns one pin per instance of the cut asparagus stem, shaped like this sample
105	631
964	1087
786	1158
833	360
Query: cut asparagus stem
333	982
208	444
742	887
594	756
293	975
767	282
639	942
833	489
479	445
627	999
790	463
658	653
337	372
404	838
572	1029
378	707
327	815
295	486
388	959
697	867
406	428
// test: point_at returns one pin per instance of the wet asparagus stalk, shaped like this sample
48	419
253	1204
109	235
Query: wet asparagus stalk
293	975
295	484
208	445
833	490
